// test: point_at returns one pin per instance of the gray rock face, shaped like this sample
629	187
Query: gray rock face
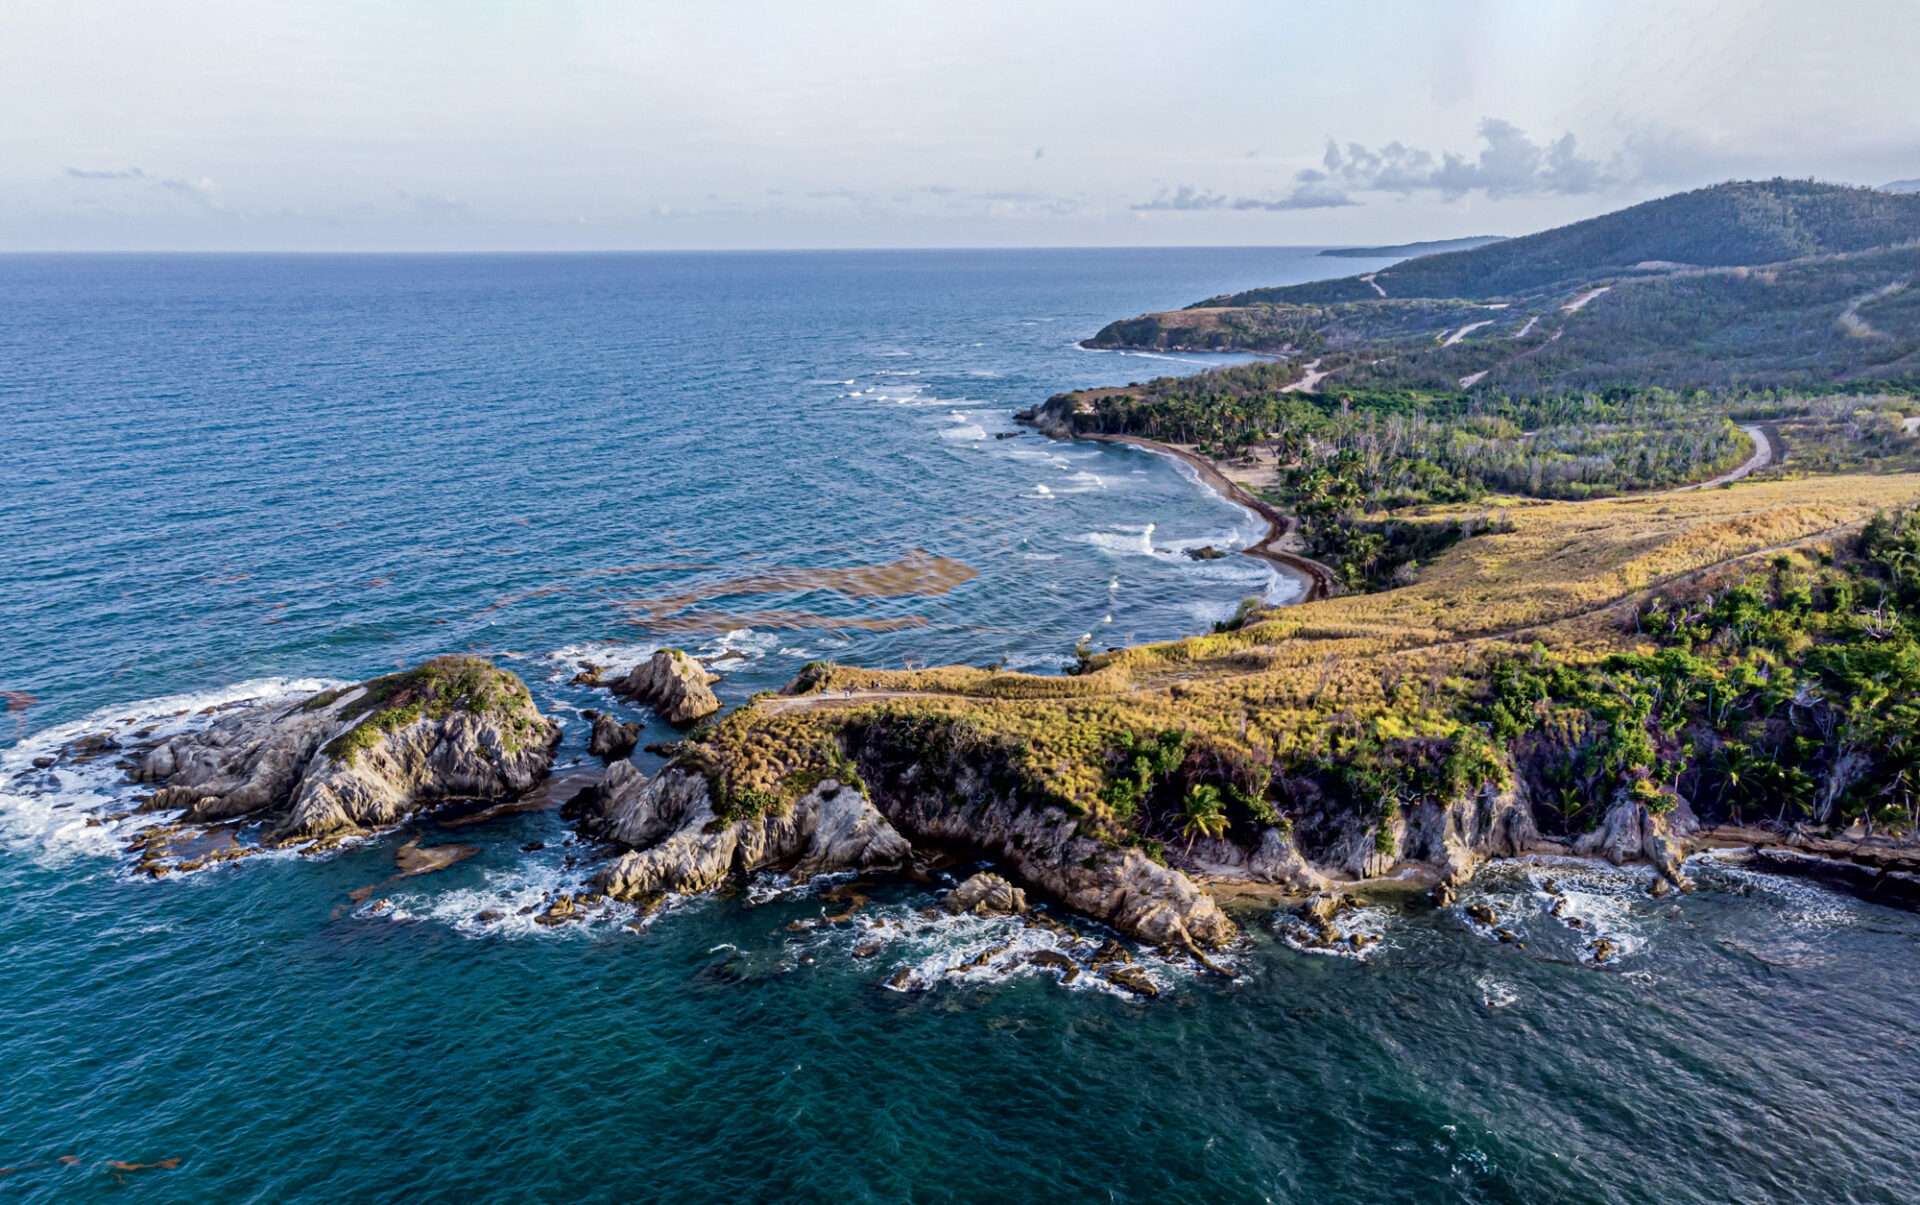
986	894
1630	832
431	745
1278	860
611	738
1275	858
677	843
249	761
674	685
463	756
1121	887
1490	823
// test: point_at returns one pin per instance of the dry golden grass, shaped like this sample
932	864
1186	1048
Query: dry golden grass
1384	664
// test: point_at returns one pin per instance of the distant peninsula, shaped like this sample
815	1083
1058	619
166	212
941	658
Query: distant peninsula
1409	250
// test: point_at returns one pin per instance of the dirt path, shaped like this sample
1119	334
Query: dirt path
849	698
1464	331
1761	458
1579	303
1306	383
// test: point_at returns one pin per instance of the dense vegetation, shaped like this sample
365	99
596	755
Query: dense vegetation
1364	450
1791	695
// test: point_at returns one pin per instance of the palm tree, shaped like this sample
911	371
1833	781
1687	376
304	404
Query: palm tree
1738	776
1203	813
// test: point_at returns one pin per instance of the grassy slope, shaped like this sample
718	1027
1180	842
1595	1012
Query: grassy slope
1390	666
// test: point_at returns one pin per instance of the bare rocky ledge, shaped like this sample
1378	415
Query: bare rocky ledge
674	841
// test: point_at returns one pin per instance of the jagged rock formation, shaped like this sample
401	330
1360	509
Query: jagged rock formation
986	894
1633	832
1491	822
1275	858
673	684
677	843
1449	839
612	738
360	758
1043	846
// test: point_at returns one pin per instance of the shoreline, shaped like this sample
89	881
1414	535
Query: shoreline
1319	579
1876	869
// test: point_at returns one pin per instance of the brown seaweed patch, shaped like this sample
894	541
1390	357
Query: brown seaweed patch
917	573
509	599
701	623
616	570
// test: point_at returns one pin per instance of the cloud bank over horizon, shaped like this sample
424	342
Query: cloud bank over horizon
596	124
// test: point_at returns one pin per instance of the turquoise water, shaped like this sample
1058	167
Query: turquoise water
238	478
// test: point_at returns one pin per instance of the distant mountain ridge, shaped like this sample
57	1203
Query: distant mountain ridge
1726	225
1410	250
1780	283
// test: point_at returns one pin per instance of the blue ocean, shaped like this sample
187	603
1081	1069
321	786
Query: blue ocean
242	478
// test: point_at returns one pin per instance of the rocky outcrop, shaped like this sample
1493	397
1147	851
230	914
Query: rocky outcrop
346	761
960	805
612	738
1633	832
1449	838
676	842
249	761
986	894
673	684
1491	822
1278	860
1054	417
1275	858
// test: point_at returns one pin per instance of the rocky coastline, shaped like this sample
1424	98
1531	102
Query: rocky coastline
1115	793
460	731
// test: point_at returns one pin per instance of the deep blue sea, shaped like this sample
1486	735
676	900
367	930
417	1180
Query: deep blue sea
229	478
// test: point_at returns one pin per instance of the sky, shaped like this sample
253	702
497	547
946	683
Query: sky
623	124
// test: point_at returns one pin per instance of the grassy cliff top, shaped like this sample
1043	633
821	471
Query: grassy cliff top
1315	685
434	689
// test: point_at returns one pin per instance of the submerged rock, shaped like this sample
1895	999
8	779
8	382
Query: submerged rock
364	757
673	684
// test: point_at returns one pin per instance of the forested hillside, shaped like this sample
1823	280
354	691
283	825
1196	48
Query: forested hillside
1783	284
1726	225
